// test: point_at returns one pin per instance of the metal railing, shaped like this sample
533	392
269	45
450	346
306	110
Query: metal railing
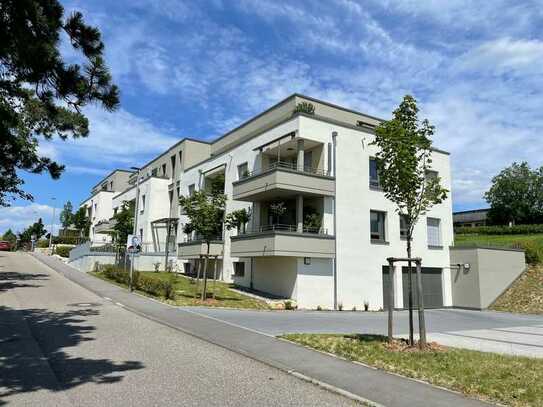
278	227
285	165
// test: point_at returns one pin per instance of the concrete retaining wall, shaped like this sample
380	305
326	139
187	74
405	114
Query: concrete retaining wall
491	272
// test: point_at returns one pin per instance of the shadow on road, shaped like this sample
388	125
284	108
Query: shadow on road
27	336
12	279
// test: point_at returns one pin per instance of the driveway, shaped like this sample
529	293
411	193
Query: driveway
480	330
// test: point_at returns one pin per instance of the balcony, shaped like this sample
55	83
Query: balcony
193	249
283	240
105	226
280	179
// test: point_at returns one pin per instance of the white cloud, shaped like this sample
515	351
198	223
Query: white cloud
505	55
119	137
17	218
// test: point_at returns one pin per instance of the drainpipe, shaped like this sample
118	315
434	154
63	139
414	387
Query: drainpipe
334	144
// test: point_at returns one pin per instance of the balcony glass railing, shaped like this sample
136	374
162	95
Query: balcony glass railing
285	228
285	165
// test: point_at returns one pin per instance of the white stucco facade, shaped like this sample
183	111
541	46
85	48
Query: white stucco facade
288	158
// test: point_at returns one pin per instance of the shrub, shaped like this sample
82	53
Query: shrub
319	308
42	243
304	107
63	251
156	287
340	306
500	230
288	305
533	251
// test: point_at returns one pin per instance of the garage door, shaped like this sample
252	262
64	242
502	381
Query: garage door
431	287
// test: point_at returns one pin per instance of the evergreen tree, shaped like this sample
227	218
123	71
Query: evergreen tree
41	95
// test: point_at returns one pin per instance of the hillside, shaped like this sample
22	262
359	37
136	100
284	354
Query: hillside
525	296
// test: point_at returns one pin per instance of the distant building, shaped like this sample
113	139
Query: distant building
475	217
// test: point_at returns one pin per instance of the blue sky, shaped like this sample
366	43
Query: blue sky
199	68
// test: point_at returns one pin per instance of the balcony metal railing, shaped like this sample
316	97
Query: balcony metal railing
286	228
285	165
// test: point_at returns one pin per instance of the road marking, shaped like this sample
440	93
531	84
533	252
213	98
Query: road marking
107	298
119	304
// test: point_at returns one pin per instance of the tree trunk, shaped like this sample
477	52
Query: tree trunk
198	277
422	324
204	293
410	292
215	275
390	298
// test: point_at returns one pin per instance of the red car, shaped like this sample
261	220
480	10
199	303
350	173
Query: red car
5	246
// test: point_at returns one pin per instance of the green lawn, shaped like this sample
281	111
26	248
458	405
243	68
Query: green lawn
496	240
514	381
185	289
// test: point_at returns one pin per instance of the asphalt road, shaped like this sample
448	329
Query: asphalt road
61	345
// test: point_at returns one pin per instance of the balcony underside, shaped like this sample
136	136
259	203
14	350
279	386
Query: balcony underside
197	248
279	243
282	182
106	227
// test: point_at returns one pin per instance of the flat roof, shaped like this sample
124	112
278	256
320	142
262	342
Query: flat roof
110	174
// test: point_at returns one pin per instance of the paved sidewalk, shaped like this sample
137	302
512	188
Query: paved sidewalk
367	383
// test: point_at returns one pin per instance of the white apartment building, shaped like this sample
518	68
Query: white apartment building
320	228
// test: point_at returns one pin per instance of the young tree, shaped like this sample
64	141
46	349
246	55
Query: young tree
516	195
41	95
206	213
66	215
124	224
81	221
237	219
403	162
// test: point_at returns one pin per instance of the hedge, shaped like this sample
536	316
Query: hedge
500	230
63	251
148	284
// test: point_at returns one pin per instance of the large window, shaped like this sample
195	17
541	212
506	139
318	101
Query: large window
191	189
434	232
243	171
377	226
374	176
142	204
403	226
239	268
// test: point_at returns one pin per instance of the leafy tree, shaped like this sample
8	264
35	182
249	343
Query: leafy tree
81	221
41	95
124	225
403	162
516	195
66	215
206	213
237	219
9	236
37	229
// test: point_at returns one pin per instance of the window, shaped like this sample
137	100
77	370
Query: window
191	189
142	204
154	172
111	185
164	169
172	159
433	226
431	174
239	269
243	171
141	235
374	176
403	226
181	160
377	225
104	186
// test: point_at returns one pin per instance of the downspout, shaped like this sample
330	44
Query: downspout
334	144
